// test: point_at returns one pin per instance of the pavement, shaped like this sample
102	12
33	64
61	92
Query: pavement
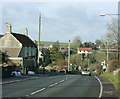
108	89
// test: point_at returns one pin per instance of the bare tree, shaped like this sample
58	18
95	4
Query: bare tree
111	37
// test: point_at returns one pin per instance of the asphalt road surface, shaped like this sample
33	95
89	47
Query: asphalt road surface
54	86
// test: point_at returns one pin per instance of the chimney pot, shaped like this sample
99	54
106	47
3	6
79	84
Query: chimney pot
26	32
8	28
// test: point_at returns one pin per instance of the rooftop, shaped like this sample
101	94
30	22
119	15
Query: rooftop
25	40
85	49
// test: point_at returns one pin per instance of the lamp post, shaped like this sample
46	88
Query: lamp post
69	56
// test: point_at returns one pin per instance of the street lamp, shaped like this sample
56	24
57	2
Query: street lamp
104	14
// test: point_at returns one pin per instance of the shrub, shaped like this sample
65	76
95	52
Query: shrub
113	65
99	69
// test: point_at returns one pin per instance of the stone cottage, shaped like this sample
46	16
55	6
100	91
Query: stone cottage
19	48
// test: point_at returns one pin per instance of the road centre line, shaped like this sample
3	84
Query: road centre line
61	81
66	78
53	84
101	87
45	88
27	95
37	91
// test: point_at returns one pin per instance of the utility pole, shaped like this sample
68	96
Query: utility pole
81	59
69	56
107	51
39	28
88	59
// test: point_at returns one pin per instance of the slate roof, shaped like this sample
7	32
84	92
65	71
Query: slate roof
23	39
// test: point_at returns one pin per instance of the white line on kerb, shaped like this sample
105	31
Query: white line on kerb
101	87
53	84
38	91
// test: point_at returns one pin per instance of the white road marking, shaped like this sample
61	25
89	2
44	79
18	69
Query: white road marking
66	78
38	91
101	87
61	81
26	95
53	84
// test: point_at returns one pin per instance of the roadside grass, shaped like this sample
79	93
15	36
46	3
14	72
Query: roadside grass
115	79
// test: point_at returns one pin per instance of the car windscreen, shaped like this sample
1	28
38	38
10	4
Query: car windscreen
86	70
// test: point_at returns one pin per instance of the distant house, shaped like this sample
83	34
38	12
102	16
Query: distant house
47	46
85	51
19	48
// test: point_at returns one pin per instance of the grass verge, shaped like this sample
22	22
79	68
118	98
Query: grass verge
115	79
112	78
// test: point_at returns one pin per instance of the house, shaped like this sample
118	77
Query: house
19	48
47	46
85	51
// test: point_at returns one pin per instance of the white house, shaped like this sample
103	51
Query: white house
85	51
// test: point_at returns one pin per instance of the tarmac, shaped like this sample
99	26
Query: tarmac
26	77
108	88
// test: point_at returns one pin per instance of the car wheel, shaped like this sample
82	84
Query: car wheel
13	74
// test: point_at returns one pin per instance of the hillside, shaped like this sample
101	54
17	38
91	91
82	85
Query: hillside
62	44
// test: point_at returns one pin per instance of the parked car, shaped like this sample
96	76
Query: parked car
86	72
31	72
16	73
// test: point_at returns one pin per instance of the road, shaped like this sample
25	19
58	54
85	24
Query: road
54	86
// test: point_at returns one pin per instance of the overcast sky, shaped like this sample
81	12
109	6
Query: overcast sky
60	20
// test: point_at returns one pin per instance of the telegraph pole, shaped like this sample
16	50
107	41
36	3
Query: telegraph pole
107	52
39	28
69	56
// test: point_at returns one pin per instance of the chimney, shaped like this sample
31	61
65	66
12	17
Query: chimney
26	32
8	28
35	41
